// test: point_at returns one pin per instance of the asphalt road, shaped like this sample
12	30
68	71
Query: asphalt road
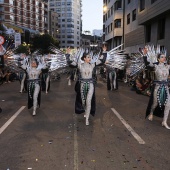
57	139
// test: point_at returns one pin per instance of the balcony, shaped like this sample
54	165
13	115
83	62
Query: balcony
118	14
118	32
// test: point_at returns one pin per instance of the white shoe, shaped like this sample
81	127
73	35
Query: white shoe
34	113
69	82
84	115
150	117
87	122
164	124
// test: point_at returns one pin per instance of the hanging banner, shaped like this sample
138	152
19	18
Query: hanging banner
17	39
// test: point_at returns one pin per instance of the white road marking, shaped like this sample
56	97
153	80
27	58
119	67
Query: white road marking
75	144
135	135
11	119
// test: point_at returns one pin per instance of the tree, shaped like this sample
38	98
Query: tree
43	42
23	48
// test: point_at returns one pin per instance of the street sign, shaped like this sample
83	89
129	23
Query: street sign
17	39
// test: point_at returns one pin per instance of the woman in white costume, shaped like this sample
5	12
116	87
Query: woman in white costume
159	103
85	85
34	83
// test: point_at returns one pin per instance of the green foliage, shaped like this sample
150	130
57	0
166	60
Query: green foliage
23	48
43	42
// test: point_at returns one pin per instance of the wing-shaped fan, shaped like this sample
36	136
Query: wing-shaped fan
117	59
135	65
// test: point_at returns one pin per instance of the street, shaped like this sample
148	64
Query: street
57	139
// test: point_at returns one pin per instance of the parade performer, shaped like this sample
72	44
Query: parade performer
85	85
115	60
45	77
34	83
111	75
22	74
159	103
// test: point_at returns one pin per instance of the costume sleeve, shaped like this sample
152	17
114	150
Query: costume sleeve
23	63
70	62
101	60
42	66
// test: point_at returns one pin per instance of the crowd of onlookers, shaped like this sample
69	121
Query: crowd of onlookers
142	86
7	75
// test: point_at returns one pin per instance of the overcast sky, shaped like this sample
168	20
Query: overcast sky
92	14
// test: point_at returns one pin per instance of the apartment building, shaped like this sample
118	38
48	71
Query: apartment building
134	36
113	22
26	14
147	22
154	15
69	21
53	28
144	22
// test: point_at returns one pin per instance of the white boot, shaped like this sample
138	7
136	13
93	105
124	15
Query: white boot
34	113
87	122
164	124
69	82
165	118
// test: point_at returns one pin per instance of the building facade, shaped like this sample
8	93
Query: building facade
69	21
53	28
144	22
24	13
113	22
133	32
154	15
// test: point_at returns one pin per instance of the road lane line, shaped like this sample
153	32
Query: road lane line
135	135
75	144
11	119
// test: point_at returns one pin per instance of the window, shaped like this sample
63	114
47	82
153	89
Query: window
69	9
108	28
11	2
58	3
134	15
128	19
70	42
118	23
70	36
70	25
142	5
69	3
152	1
118	4
148	33
128	1
108	13
12	17
112	10
161	29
